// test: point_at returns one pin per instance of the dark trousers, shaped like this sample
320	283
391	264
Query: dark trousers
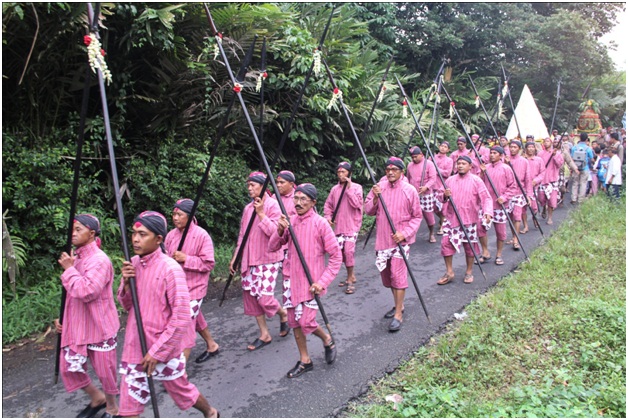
613	191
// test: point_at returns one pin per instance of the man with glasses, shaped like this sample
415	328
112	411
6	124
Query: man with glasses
260	266
403	204
316	238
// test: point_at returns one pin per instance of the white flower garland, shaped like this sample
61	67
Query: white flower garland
337	95
317	61
262	76
97	56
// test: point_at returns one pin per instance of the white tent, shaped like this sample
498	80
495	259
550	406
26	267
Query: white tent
529	118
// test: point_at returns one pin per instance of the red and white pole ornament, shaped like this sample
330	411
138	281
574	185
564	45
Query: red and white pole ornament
237	88
216	48
477	101
96	55
380	98
337	94
405	108
260	78
452	104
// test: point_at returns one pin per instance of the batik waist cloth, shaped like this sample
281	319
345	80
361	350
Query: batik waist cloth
195	307
428	201
457	236
137	379
342	238
76	355
382	257
260	279
287	300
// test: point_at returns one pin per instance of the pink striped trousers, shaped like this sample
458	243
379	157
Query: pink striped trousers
104	364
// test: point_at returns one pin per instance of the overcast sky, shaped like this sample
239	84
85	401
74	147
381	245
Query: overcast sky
619	35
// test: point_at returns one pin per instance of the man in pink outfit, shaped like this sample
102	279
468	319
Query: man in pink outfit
197	260
348	218
164	301
403	204
445	166
503	179
549	190
260	266
471	198
90	319
315	238
422	176
521	169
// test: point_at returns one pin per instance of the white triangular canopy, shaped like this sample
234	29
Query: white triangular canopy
529	118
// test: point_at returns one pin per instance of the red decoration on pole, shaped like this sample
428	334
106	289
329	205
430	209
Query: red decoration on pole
237	88
87	40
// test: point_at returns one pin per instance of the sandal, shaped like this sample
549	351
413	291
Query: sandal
516	246
499	261
284	329
258	344
330	352
482	259
342	283
510	242
440	231
468	278
445	279
299	369
432	239
524	231
350	288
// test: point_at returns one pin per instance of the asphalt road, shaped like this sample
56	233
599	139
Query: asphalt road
254	384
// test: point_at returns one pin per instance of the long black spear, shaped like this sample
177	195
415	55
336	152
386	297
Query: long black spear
217	139
440	176
555	106
269	173
490	181
509	164
284	137
381	198
413	133
429	135
73	198
512	105
366	127
116	189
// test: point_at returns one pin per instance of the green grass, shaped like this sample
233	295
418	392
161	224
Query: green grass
547	341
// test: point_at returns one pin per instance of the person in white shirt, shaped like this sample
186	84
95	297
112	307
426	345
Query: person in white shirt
613	174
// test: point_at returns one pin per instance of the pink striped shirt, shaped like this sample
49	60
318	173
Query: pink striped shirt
288	203
256	250
199	257
90	314
416	178
485	153
349	217
551	171
315	239
456	154
469	194
165	306
537	170
522	168
504	181
445	165
402	202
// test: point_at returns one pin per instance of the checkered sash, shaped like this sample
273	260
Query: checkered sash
76	355
427	202
137	380
500	216
382	257
517	200
342	238
195	307
456	234
548	188
287	301
260	279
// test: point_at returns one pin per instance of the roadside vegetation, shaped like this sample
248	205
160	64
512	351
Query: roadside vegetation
548	341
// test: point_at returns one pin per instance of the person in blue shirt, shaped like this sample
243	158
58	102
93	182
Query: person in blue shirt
582	156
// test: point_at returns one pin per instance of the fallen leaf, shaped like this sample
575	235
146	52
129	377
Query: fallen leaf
395	399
